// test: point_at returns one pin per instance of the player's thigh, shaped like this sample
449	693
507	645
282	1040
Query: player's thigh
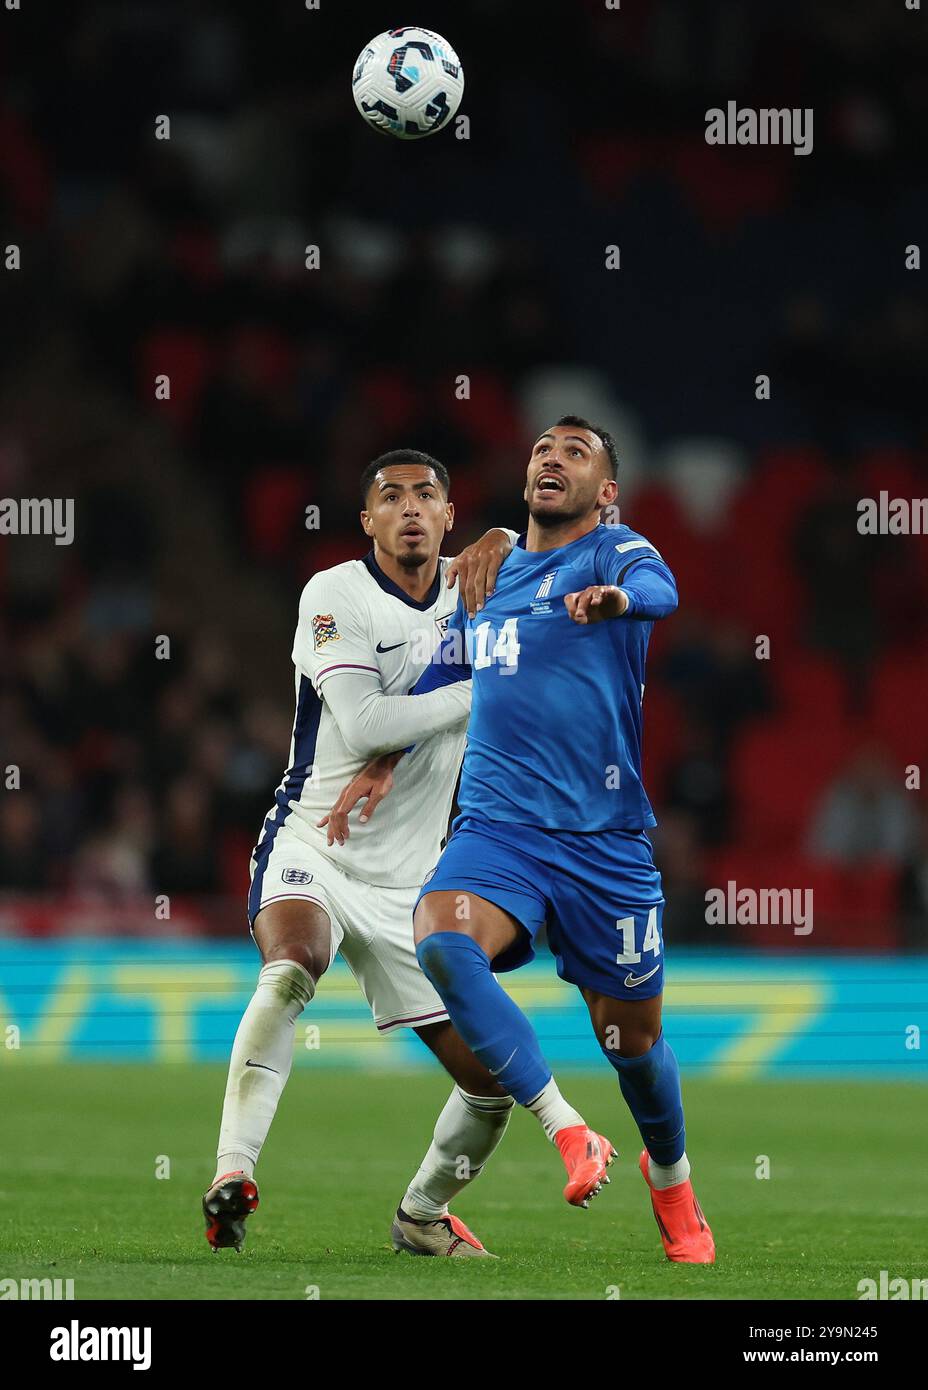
605	929
493	929
291	905
379	949
294	929
629	1027
447	1045
488	886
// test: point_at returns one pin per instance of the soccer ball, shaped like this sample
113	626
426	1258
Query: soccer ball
408	82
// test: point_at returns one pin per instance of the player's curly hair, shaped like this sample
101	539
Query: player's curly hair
578	423
396	456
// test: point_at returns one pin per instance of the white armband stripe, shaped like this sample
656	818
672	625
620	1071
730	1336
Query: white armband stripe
638	545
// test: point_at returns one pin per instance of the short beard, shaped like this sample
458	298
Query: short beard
549	521
411	560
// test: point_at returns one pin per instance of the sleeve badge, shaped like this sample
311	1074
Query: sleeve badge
324	630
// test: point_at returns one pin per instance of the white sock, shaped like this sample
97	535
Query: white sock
466	1133
265	1040
668	1174
234	1163
553	1111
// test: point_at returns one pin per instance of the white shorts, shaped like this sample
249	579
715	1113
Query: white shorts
371	927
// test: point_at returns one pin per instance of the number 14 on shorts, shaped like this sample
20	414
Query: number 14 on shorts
651	941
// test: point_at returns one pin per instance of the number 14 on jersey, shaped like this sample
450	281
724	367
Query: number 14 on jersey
500	648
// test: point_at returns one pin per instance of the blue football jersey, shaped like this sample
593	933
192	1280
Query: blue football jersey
554	738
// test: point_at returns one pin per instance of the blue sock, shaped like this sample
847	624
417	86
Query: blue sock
651	1087
493	1027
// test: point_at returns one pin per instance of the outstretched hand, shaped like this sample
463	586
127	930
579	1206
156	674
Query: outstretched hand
596	603
476	568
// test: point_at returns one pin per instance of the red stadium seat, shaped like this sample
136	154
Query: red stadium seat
779	770
806	682
185	357
892	470
727	186
785	482
696	558
324	552
759	588
392	399
274	499
489	418
234	859
898	705
852	907
660	739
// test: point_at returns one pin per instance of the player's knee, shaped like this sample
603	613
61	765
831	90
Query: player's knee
433	960
635	1042
480	1083
635	1055
313	959
446	957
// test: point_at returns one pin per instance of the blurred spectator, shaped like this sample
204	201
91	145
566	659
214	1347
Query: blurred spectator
184	859
914	892
839	567
677	851
23	861
713	670
866	814
695	783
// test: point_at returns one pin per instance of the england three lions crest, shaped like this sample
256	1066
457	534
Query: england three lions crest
297	876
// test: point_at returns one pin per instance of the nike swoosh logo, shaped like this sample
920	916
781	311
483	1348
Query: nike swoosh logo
382	648
505	1064
250	1063
632	980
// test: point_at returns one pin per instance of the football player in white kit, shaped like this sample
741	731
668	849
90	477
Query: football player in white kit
366	632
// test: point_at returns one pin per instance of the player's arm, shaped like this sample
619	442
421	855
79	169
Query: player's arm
449	669
477	566
333	648
371	784
637	583
450	663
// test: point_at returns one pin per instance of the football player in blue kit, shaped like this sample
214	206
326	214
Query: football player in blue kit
553	822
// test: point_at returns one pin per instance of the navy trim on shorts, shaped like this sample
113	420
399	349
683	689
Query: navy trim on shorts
305	734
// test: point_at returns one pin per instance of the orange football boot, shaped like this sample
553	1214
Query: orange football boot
446	1236
684	1230
586	1156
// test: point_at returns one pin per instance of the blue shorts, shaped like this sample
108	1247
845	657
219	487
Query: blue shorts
598	894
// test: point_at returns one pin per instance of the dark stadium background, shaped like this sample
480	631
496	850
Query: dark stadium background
484	257
125	962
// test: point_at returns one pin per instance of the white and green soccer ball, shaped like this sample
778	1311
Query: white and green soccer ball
408	82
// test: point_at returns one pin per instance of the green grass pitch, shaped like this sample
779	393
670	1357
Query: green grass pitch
79	1196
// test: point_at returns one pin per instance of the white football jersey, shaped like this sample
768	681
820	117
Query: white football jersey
358	632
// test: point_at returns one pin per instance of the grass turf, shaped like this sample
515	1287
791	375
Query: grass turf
79	1197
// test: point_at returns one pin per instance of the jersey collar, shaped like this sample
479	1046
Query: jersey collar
388	586
531	555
